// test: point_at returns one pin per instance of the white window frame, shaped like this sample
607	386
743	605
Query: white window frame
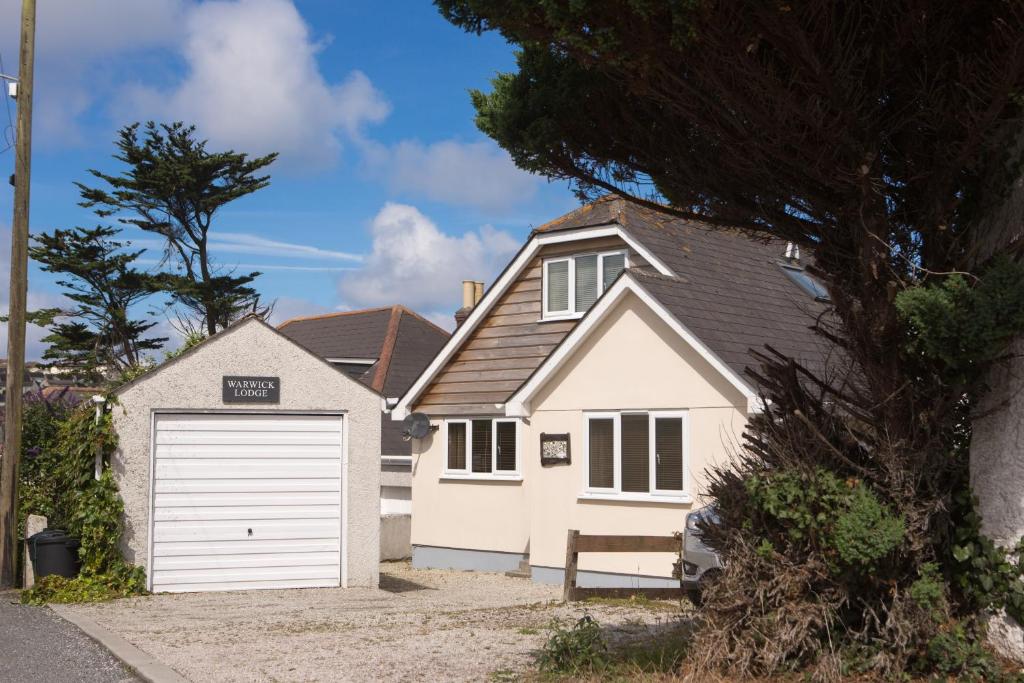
616	492
495	473
571	313
652	416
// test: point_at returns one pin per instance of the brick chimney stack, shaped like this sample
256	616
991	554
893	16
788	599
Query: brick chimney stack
472	292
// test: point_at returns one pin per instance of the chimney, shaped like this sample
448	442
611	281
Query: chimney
472	292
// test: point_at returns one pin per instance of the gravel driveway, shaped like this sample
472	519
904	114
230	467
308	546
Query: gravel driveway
37	645
421	625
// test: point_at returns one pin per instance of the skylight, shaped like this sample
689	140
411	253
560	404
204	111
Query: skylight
806	282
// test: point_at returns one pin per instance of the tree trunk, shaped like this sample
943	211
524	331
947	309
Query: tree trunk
997	441
997	478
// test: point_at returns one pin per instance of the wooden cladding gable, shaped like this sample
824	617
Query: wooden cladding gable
509	344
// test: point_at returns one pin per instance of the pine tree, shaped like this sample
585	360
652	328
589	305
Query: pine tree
96	334
173	187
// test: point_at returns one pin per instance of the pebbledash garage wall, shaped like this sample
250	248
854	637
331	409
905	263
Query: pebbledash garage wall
192	383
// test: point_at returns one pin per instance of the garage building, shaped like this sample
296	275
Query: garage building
249	462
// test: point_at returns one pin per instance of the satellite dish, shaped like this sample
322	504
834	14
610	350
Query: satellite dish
417	426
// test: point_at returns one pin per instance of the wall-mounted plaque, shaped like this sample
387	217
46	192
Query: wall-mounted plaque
554	449
251	389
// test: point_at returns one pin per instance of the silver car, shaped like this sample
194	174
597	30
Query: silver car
699	561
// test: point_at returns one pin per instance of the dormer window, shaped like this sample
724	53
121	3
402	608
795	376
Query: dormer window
573	283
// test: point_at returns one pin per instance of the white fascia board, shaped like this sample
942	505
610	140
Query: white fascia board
519	404
507	277
353	361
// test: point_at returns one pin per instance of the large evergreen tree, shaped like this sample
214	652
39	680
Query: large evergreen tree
173	186
882	136
97	333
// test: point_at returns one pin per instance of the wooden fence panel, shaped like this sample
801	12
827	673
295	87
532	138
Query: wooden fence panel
577	543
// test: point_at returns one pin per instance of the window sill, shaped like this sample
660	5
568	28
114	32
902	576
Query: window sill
453	476
561	318
674	499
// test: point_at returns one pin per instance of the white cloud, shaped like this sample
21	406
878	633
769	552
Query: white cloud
478	174
416	264
253	83
246	243
80	46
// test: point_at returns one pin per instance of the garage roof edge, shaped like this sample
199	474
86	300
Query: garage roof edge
220	335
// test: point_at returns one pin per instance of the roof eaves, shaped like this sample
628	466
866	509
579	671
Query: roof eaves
504	279
628	280
220	335
188	352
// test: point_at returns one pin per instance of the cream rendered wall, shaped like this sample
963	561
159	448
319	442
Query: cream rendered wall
631	361
472	514
193	382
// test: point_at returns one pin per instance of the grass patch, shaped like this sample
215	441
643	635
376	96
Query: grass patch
527	631
639	600
86	587
582	651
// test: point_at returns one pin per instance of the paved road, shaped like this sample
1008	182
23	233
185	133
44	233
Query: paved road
37	645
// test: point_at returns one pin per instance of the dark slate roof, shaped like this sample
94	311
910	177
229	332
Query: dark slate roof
729	289
416	344
350	334
401	342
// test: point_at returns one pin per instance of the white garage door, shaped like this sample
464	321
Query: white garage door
246	501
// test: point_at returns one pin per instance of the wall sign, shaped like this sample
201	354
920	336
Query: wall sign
251	389
554	449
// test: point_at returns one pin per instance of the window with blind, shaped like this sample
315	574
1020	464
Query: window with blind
573	283
633	453
601	465
456	445
636	454
482	447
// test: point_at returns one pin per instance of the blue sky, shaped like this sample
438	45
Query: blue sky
385	192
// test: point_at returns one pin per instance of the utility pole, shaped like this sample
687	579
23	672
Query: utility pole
19	290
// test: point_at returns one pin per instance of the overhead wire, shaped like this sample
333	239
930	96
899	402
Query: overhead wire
8	132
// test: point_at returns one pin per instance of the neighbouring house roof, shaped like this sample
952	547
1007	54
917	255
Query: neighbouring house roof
730	290
399	342
70	394
250	319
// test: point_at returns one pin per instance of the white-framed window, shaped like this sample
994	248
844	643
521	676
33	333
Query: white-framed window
571	284
482	447
635	453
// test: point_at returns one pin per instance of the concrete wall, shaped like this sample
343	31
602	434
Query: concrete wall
193	382
632	361
395	533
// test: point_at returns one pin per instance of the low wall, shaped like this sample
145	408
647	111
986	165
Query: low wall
395	535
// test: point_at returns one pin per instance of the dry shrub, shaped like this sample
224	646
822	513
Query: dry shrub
768	614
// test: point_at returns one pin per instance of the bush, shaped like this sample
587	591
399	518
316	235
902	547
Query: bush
577	650
88	508
843	519
119	582
957	652
38	488
929	592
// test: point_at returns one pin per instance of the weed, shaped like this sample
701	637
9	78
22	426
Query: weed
583	652
577	650
639	600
